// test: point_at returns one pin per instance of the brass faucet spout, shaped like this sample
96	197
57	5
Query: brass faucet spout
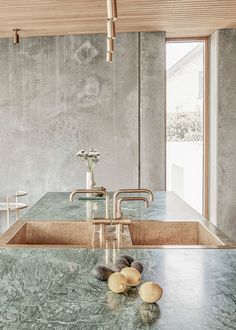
125	199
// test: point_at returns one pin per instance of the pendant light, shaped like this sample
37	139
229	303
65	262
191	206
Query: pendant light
111	29
16	37
111	10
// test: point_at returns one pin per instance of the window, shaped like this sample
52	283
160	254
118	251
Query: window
185	121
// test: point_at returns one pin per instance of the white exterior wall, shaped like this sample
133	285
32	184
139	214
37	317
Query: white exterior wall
185	171
183	85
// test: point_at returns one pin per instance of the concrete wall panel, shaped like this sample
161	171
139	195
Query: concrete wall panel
152	119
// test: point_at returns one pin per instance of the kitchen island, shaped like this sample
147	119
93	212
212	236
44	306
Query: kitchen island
53	288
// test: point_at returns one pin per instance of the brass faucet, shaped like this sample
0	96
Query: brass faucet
125	199
92	191
130	191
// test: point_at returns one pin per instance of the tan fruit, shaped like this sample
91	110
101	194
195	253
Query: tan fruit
150	292
117	282
133	276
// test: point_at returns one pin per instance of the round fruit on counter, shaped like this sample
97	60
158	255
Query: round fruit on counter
117	282
137	265
118	267
120	263
128	258
150	292
133	276
102	273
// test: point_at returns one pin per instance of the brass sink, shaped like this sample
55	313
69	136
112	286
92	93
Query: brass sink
51	233
81	234
135	234
178	233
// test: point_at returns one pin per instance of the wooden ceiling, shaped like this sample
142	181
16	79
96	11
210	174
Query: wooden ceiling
179	18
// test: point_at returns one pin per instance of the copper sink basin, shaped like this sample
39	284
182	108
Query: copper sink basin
159	233
52	234
137	234
64	234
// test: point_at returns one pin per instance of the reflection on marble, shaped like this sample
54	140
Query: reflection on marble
53	289
56	206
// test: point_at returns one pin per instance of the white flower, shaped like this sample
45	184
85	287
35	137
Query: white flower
90	157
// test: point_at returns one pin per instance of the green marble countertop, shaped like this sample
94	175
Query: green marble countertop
56	206
53	289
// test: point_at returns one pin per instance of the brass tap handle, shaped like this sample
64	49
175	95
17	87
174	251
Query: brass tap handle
114	222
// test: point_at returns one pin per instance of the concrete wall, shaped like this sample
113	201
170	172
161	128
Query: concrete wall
58	95
152	106
223	113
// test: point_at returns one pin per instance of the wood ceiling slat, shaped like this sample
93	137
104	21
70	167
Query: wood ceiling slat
179	18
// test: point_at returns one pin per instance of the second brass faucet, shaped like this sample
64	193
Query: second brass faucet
135	198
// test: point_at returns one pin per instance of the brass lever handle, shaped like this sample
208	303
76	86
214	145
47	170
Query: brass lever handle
114	222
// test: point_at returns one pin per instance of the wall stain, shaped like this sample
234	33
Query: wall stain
86	53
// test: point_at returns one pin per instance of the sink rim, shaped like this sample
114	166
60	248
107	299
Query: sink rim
93	242
224	241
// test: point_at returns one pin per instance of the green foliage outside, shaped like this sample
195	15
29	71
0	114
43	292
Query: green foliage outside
184	126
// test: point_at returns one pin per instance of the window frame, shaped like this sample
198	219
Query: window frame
205	192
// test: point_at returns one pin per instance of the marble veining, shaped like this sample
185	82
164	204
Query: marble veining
54	289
